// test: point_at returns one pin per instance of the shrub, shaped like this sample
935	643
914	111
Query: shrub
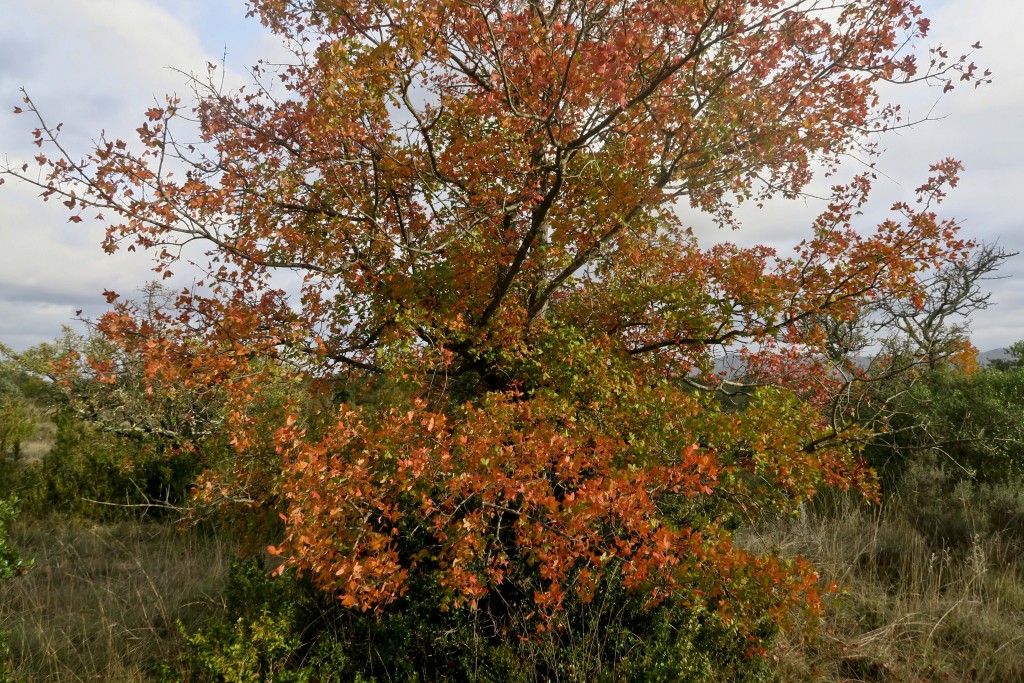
973	423
16	424
96	474
11	565
273	631
281	629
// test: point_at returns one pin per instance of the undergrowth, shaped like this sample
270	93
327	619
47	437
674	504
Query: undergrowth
103	602
141	601
913	604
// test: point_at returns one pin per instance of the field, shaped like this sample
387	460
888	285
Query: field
108	602
113	601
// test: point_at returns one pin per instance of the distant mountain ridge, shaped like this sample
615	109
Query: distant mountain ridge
732	366
986	358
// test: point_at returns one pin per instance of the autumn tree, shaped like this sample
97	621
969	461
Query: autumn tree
468	222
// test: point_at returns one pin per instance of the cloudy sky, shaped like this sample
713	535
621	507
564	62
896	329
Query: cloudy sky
98	64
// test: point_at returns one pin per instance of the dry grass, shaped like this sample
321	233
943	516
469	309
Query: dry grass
43	437
906	610
102	603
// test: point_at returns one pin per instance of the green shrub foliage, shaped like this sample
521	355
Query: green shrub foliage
280	629
11	565
973	423
95	474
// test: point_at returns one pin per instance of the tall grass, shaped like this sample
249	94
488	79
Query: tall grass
910	606
103	603
930	588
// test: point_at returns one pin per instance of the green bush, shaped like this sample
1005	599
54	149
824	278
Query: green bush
973	423
11	565
273	631
98	475
17	423
281	630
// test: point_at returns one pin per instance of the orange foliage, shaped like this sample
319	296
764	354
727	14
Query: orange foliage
481	203
965	358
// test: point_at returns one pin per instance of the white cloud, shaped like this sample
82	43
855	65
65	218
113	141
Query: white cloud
95	61
98	65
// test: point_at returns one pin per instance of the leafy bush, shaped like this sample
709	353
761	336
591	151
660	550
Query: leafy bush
17	418
99	475
979	421
955	455
274	631
11	565
973	423
281	629
16	423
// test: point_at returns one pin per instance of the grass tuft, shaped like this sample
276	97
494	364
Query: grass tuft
103	602
908	607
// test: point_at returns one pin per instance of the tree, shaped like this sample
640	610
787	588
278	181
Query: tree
1016	359
952	293
481	203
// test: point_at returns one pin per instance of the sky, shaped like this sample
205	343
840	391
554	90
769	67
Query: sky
99	64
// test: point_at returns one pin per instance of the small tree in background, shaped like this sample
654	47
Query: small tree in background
935	325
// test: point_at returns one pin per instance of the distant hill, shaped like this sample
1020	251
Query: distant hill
984	359
731	365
